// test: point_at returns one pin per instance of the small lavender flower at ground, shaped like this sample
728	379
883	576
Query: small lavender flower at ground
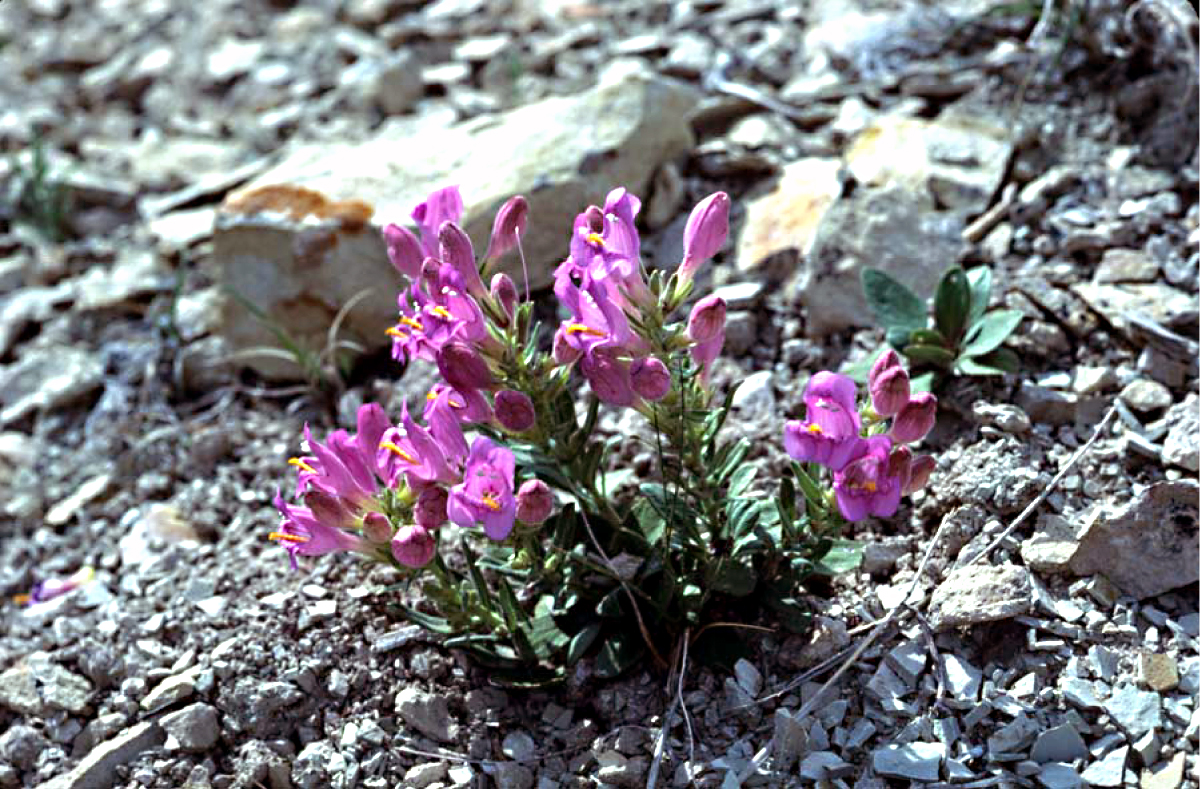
535	502
915	419
888	384
485	495
413	546
51	588
865	486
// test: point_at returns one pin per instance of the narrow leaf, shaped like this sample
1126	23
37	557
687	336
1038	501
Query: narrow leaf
581	642
998	362
980	278
929	354
843	556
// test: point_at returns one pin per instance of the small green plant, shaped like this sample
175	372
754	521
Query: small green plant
40	199
960	338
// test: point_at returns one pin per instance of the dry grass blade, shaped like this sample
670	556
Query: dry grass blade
676	678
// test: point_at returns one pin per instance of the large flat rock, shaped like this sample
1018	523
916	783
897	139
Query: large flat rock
302	239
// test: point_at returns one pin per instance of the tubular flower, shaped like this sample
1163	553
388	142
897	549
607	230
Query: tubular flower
485	494
404	250
830	400
650	378
915	419
443	205
430	509
51	588
608	376
302	533
463	368
805	442
514	410
535	501
705	233
865	485
508	227
922	467
468	407
707	319
888	384
459	255
413	546
504	293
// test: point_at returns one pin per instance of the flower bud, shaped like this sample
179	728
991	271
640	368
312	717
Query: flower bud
595	219
564	352
430	510
514	410
462	367
707	319
915	419
650	378
376	527
889	391
535	501
457	252
608	377
508	227
705	233
413	546
899	466
328	509
431	274
504	293
404	250
922	466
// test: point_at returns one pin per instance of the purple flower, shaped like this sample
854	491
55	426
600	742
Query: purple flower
650	378
302	533
485	494
404	250
463	368
514	410
888	384
504	293
459	255
918	476
608	376
421	456
866	485
535	501
413	546
377	528
915	419
565	352
467	406
830	400
805	442
707	319
508	227
444	205
705	233
430	509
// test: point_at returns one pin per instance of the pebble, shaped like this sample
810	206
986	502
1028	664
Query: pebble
99	767
1135	711
1157	671
962	679
1109	771
518	746
427	713
422	775
1059	744
748	677
168	692
917	761
1181	447
1059	776
1079	692
195	727
1014	737
1165	776
980	593
824	765
1093	380
908	661
1145	395
396	639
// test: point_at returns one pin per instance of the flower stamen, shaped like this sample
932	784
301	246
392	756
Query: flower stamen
388	445
595	238
581	328
279	536
442	313
411	323
302	465
395	332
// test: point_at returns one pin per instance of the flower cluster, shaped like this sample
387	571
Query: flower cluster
872	468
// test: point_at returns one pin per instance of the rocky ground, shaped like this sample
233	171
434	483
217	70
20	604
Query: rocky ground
900	135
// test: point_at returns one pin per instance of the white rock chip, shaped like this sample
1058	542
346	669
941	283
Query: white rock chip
428	714
980	593
1109	771
917	761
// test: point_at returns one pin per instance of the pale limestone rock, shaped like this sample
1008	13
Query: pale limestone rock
980	593
302	239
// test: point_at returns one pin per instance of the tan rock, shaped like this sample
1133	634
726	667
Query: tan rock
302	239
1167	776
788	216
980	593
1157	671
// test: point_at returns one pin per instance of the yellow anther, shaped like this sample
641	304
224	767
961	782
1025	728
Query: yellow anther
302	465
442	313
869	486
489	501
581	328
389	446
281	537
22	599
815	428
411	323
432	395
451	403
595	238
394	332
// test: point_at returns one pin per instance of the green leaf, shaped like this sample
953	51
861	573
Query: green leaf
742	514
581	642
894	305
813	493
897	338
481	587
929	354
427	621
991	331
741	479
610	481
843	556
998	362
952	303
980	278
650	521
928	337
860	370
619	653
922	383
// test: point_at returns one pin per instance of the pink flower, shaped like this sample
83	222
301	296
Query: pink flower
508	227
922	467
707	319
444	205
463	368
467	406
430	509
565	352
608	376
51	588
805	442
514	410
504	293
457	253
705	233
830	400
302	533
650	378
865	486
485	494
404	250
413	546
377	528
535	501
888	384
915	419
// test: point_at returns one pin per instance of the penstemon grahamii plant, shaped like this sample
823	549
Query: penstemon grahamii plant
497	500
